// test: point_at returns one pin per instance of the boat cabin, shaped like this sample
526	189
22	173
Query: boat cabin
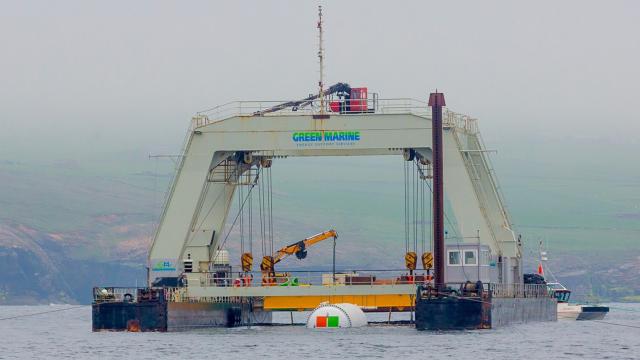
558	291
469	262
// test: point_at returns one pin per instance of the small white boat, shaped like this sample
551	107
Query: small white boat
568	311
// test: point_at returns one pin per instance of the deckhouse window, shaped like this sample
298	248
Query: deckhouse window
454	257
485	257
470	257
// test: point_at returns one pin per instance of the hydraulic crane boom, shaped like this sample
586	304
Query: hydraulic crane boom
337	88
299	249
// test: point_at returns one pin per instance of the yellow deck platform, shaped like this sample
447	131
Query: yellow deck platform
399	302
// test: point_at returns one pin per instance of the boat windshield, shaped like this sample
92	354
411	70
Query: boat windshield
562	295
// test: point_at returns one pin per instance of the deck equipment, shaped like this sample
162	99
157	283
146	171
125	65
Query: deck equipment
299	249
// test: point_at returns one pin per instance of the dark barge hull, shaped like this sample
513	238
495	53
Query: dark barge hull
449	313
173	316
473	312
120	316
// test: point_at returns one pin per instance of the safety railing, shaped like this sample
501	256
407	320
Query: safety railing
126	294
181	294
518	290
459	121
294	107
311	278
113	294
349	107
488	290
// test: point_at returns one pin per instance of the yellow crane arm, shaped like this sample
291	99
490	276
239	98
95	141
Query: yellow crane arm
299	248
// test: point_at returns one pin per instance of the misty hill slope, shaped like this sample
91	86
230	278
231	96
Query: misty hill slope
39	268
65	228
63	231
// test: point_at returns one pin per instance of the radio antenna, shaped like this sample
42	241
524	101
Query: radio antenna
321	58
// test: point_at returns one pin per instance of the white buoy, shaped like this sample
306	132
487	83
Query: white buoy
336	316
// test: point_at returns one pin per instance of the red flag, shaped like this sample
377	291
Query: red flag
540	269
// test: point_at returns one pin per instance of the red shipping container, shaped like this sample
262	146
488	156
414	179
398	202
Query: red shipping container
359	99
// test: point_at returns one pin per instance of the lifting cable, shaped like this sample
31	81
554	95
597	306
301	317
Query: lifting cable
422	215
224	241
246	179
42	312
250	195
413	203
261	215
616	324
414	207
415	184
265	200
240	207
199	209
416	203
270	198
406	209
446	217
448	220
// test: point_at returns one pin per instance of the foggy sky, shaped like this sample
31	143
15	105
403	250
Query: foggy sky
85	77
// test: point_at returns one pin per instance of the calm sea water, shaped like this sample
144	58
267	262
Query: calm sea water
67	334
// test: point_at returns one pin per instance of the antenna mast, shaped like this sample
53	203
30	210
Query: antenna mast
321	58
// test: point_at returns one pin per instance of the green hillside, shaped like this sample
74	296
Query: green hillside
105	211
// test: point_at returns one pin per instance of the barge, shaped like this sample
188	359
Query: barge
228	156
